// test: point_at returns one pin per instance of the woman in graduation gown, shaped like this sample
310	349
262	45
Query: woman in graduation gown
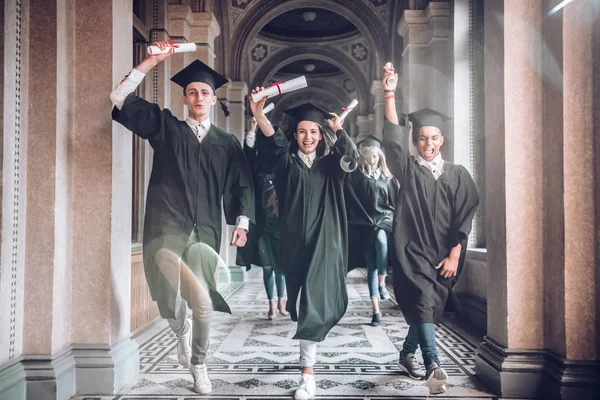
371	198
262	248
314	226
432	222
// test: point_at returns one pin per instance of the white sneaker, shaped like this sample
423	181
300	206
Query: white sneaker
307	387
436	379
202	383
184	349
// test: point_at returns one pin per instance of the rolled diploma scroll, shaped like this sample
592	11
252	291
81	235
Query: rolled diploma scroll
389	67
268	108
350	107
277	89
181	48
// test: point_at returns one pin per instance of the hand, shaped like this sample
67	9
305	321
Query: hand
384	82
252	126
239	238
334	123
257	108
449	266
161	57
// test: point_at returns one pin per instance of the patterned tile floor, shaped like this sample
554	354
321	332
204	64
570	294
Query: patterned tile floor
252	358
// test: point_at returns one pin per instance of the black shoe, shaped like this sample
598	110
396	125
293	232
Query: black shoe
376	321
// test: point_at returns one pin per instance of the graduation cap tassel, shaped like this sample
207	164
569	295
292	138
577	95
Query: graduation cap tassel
225	109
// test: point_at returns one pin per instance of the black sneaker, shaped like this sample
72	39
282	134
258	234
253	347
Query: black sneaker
376	321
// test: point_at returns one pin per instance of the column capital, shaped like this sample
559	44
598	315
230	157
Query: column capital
237	90
421	26
204	28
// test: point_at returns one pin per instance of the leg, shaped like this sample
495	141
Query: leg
408	363
370	261
308	356
195	290
268	282
280	283
381	255
169	263
436	376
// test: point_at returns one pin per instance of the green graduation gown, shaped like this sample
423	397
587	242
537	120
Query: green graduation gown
314	228
431	217
188	182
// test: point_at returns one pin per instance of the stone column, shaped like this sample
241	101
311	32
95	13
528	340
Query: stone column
425	57
364	126
14	192
573	281
106	357
511	358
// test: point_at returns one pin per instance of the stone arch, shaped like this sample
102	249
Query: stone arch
330	55
356	12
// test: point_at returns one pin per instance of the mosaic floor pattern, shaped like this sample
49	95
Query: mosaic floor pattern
252	358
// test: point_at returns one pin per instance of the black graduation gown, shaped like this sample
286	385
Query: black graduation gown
431	218
188	181
370	204
262	247
314	228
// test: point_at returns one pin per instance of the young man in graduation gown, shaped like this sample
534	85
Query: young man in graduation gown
313	222
432	222
196	168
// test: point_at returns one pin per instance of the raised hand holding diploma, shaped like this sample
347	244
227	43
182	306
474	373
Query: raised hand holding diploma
347	110
177	48
257	108
278	88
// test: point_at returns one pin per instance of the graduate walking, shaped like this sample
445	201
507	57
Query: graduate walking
309	185
199	172
371	195
262	248
432	222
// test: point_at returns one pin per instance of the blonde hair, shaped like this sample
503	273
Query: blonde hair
365	150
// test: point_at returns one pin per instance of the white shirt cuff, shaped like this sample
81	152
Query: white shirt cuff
250	139
243	222
127	87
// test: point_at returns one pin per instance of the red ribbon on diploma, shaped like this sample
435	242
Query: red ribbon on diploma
276	84
173	45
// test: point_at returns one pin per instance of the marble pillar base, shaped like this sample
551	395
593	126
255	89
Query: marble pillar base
570	380
39	377
508	372
105	369
12	381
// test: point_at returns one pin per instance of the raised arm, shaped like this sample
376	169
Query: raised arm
395	136
257	110
343	146
143	118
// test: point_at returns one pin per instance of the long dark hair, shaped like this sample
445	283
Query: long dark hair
321	147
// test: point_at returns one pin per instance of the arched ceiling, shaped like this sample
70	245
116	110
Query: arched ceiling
310	67
308	23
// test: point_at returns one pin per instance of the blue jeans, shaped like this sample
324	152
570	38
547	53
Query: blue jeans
376	259
424	335
268	281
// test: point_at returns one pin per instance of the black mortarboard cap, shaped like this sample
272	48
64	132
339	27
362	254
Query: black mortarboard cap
370	141
426	117
308	112
199	72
